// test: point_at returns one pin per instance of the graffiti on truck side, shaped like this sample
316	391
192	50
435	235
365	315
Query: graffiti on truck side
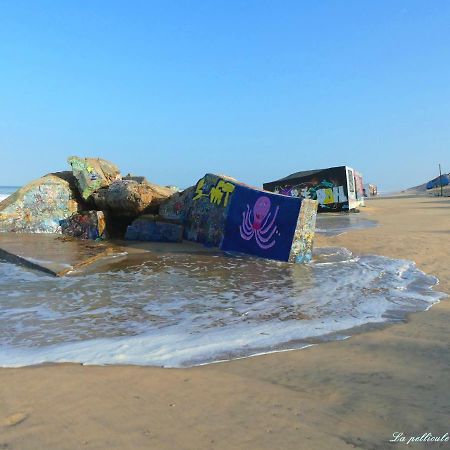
327	193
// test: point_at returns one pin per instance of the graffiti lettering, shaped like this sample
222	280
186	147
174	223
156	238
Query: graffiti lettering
320	194
329	196
325	196
221	189
303	193
338	193
199	190
219	194
325	193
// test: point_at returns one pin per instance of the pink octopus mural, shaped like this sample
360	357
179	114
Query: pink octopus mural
262	228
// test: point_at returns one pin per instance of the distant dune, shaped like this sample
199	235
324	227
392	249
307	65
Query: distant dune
421	189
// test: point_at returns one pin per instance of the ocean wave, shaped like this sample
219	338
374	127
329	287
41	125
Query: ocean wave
183	310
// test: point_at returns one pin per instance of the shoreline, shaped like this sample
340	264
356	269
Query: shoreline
342	394
388	284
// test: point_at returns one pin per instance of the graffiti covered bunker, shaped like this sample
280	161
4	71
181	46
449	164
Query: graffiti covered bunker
335	188
222	212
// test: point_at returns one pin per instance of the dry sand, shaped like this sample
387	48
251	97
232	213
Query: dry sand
339	395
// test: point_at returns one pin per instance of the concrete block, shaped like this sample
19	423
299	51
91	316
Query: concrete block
150	228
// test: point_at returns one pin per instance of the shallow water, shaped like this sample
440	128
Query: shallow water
187	309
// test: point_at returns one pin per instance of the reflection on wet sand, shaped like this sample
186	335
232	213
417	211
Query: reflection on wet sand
333	224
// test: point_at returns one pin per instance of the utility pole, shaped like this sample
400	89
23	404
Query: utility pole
440	179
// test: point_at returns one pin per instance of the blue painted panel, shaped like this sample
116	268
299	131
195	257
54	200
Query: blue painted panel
260	223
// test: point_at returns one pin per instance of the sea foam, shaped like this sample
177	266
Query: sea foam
184	309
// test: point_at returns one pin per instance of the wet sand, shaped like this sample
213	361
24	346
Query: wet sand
348	394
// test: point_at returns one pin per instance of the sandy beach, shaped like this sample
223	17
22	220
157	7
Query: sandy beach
340	395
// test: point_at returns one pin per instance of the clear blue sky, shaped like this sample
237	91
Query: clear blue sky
253	89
